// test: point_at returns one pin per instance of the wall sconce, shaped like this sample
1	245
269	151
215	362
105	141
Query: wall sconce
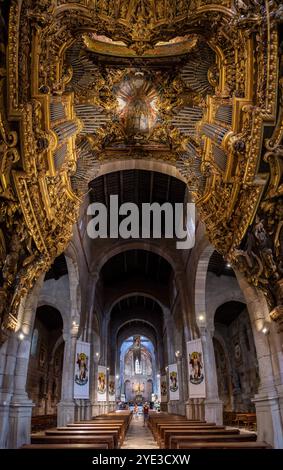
166	368
108	369
117	376
158	376
21	336
201	317
178	353
97	354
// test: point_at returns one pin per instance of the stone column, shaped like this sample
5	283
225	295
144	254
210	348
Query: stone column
212	404
8	361
17	420
66	407
269	418
20	406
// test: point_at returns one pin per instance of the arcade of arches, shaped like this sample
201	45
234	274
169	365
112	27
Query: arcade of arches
154	102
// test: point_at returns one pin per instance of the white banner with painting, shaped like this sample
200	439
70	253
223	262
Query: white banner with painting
101	383
173	382
196	369
81	379
111	388
163	388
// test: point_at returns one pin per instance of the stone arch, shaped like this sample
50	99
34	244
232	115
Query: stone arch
126	334
127	245
138	164
133	294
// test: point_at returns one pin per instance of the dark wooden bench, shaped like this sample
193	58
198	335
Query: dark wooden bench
92	427
220	445
41	422
178	424
171	440
194	432
63	439
167	433
65	446
154	423
80	432
120	425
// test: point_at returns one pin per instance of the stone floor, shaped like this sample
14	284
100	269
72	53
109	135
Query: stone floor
138	436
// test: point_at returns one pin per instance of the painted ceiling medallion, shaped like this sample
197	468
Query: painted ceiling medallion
137	99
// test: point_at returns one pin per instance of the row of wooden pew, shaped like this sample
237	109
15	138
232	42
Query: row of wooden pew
40	422
177	432
102	432
246	420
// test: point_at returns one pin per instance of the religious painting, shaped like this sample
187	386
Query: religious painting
111	386
174	381
196	371
196	366
81	370
101	382
163	387
81	376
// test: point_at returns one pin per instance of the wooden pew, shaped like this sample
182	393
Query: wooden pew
167	433
178	423
193	431
220	445
171	440
153	423
41	422
65	446
93	427
99	427
93	433
105	423
63	439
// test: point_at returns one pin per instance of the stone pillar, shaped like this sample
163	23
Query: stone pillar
267	400
66	407
212	404
20	406
8	361
15	407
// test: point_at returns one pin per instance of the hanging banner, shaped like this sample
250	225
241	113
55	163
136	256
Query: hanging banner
173	382
163	388
81	380
111	388
196	369
101	384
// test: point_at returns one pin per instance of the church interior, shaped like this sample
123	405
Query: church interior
135	341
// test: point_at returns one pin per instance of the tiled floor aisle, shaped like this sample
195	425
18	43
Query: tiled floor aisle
139	437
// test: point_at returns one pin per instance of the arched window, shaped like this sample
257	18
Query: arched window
138	367
34	343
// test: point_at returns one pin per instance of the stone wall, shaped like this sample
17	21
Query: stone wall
45	369
238	377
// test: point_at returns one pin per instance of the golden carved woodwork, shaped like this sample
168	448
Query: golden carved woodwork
239	202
